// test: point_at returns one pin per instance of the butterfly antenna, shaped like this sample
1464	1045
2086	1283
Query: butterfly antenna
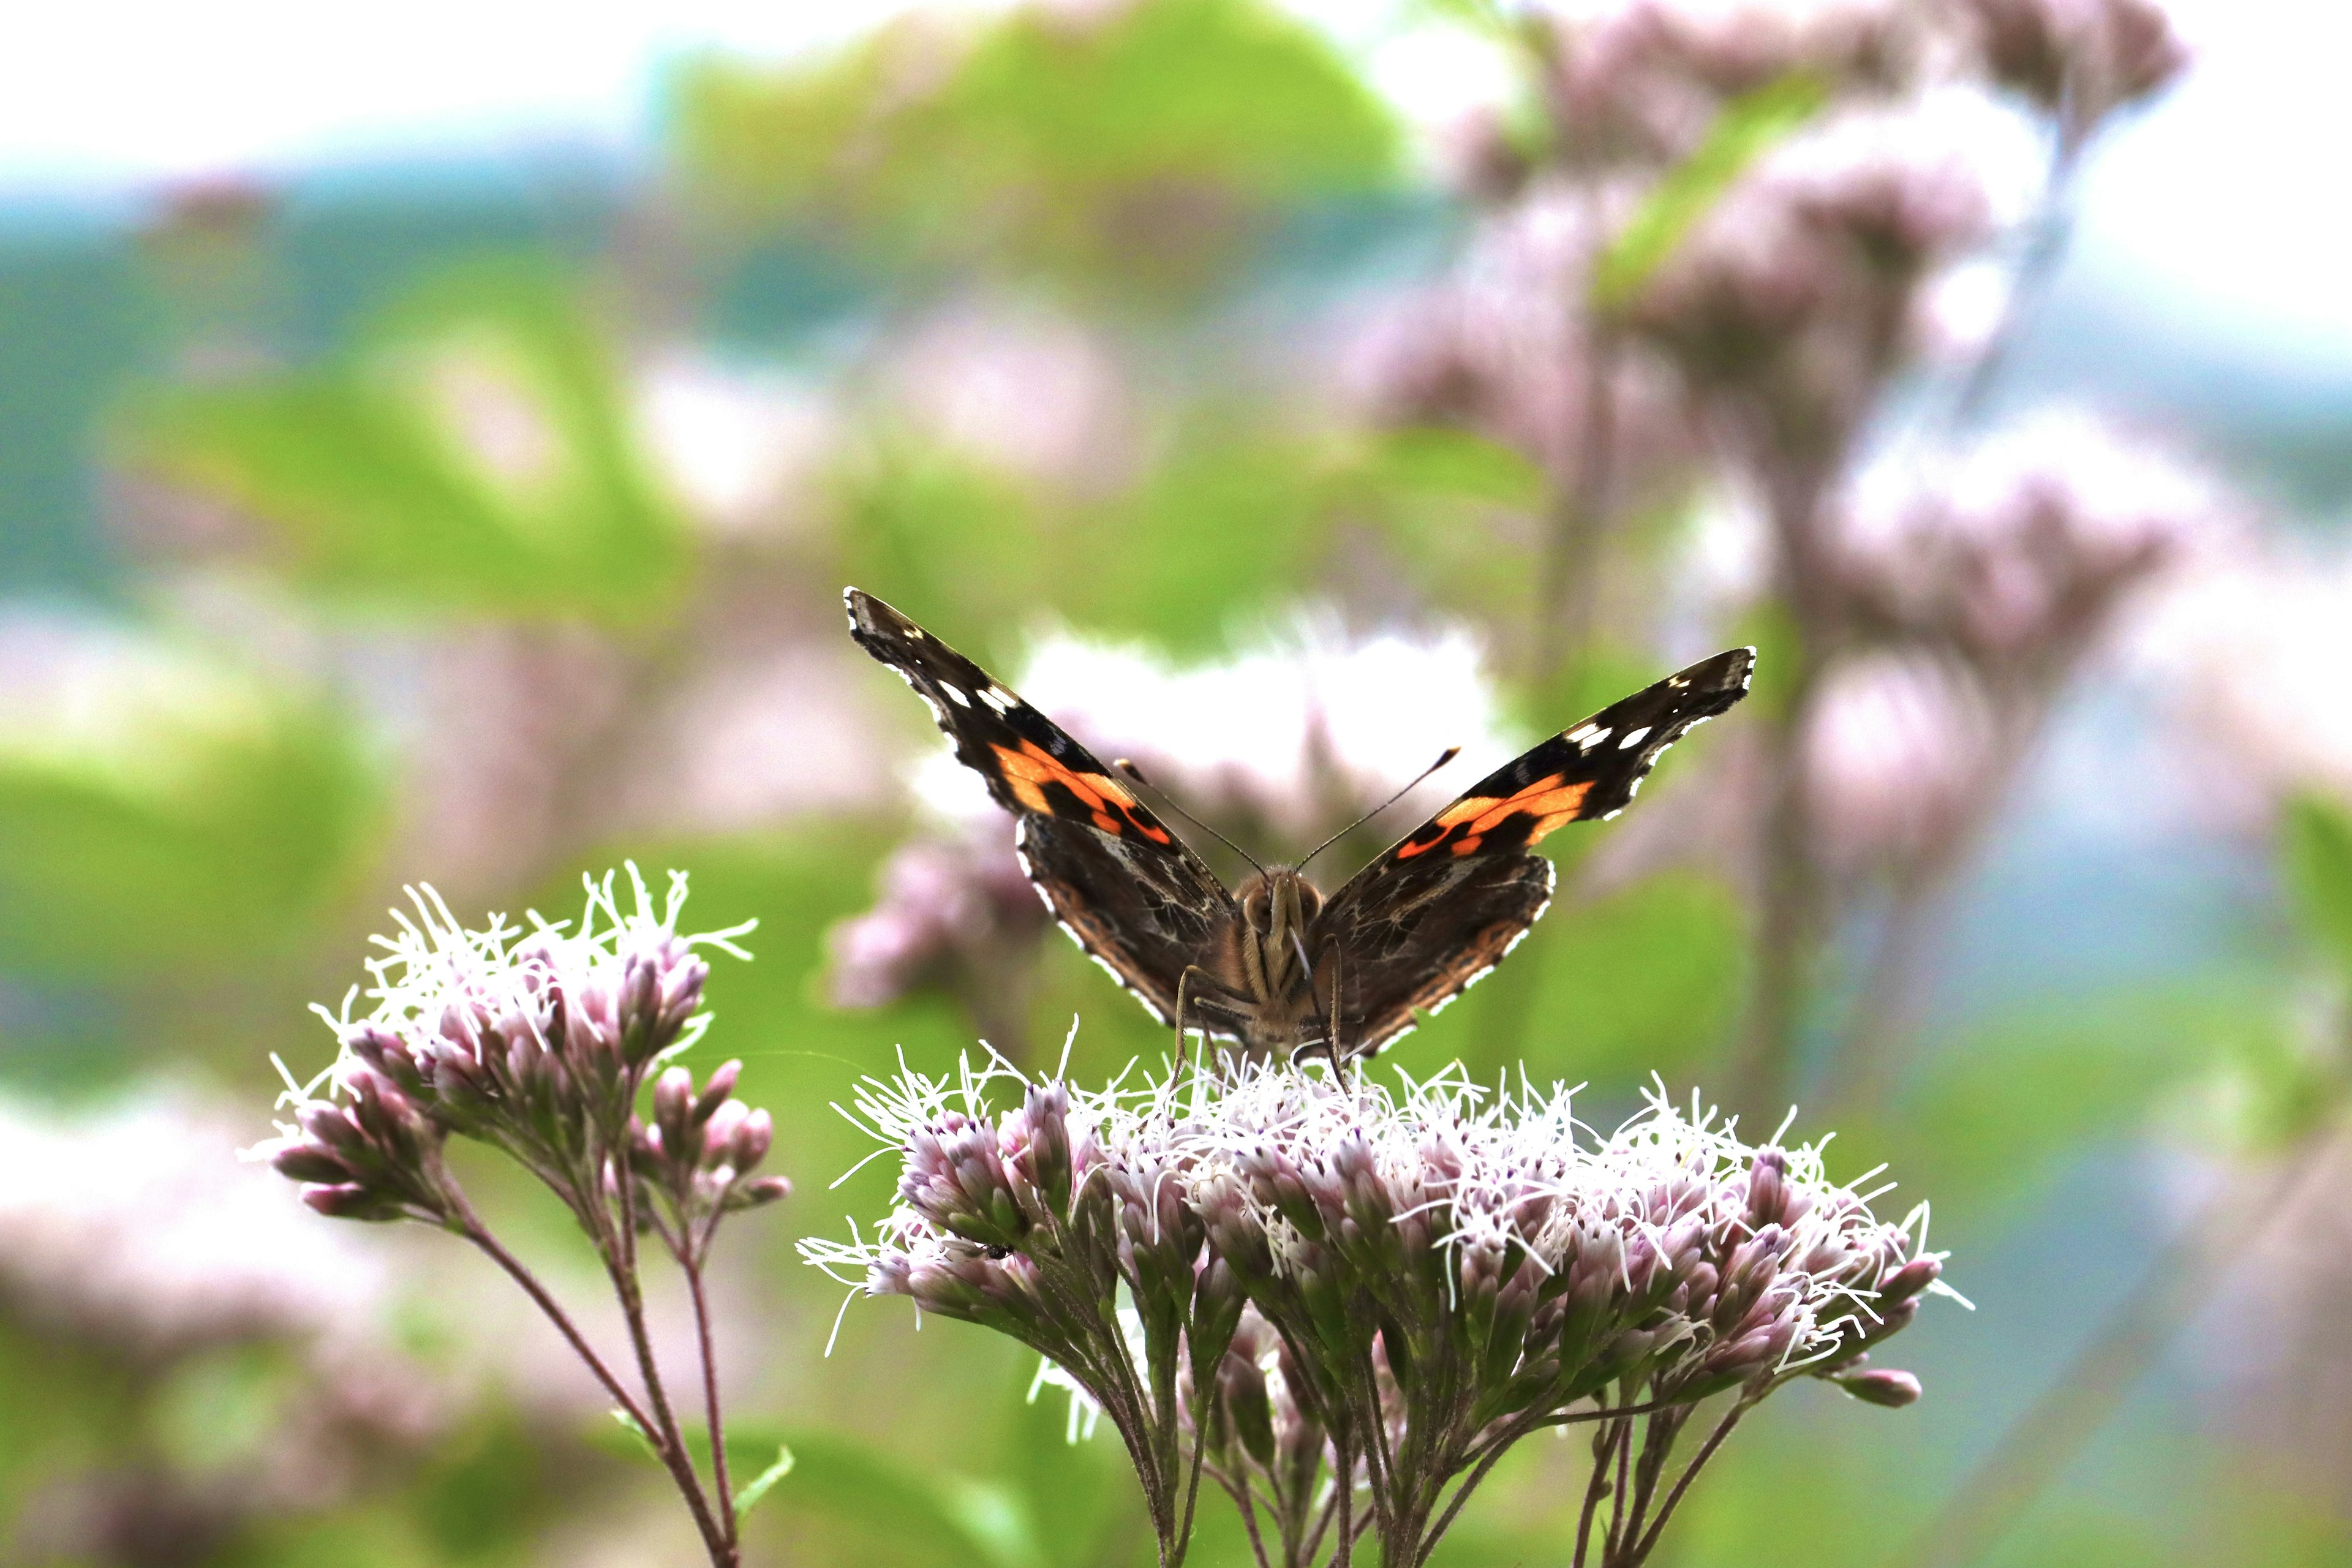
1131	771
1443	757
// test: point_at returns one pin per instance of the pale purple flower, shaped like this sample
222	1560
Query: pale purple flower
743	451
1792	299
1030	391
1644	79
2013	555
1503	346
2245	651
536	1041
951	901
1895	751
1536	1273
2079	60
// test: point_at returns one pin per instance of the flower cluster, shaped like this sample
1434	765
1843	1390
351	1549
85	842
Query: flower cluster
1643	80
1327	1279
539	1043
1790	303
2014	555
2078	59
536	1042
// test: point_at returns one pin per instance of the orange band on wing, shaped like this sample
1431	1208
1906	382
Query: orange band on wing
1552	803
1028	771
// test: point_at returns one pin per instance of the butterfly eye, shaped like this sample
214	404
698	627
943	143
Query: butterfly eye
1257	909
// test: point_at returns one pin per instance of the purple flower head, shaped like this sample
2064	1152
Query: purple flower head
1324	1272
535	1040
2079	60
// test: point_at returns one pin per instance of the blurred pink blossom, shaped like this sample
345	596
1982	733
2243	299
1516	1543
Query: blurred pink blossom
1791	301
1897	749
947	899
1031	391
742	451
2016	553
1644	79
2246	653
1502	346
2080	60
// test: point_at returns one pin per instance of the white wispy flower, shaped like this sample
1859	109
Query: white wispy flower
1452	1263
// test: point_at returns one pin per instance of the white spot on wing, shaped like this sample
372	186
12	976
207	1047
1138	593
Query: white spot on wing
1633	738
1587	736
996	697
955	695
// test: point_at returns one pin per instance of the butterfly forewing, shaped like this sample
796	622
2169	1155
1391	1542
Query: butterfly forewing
1122	884
1412	929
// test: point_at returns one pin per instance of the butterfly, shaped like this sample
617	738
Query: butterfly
1273	963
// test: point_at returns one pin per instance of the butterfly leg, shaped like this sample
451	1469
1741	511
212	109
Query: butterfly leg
1332	1018
1328	1015
1183	982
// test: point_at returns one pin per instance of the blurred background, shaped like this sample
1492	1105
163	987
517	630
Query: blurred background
432	444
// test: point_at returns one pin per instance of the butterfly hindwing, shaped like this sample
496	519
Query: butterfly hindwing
1418	925
1121	883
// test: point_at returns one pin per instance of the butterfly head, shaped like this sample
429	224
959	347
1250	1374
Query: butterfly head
1277	906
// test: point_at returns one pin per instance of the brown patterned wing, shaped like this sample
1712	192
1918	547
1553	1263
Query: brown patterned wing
1416	927
1132	893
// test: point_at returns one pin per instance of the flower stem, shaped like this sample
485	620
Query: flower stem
1649	1541
1593	1492
693	1271
621	1265
473	1230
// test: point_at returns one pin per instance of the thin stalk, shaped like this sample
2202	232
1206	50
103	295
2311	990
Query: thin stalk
621	1265
1489	1456
1791	889
1345	1551
1649	1541
1617	1496
693	1270
1594	1490
1247	1505
473	1230
2049	229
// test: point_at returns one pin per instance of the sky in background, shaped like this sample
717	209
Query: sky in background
2221	207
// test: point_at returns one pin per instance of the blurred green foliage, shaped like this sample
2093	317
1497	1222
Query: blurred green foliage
474	454
167	806
203	829
1135	151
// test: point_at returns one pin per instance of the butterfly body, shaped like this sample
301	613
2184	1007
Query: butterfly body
1274	963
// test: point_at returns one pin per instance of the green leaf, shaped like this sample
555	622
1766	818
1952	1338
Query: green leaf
644	1444
747	1496
476	454
1138	148
1607	990
2000	1113
964	1521
1744	129
2315	854
161	804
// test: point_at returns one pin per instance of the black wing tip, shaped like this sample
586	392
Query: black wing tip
1730	671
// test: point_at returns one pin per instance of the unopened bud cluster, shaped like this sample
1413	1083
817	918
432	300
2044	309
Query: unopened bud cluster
537	1042
1342	1279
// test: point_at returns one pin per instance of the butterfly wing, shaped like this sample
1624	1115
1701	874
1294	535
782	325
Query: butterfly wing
1416	927
1122	884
